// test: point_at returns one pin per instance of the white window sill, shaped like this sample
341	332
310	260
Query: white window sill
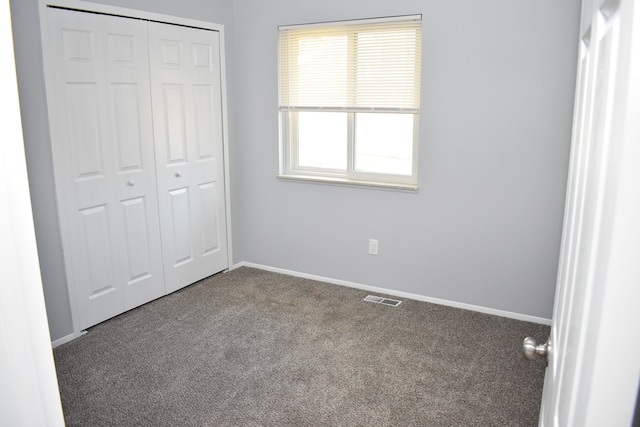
410	188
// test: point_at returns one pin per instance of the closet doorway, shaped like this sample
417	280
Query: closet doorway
136	115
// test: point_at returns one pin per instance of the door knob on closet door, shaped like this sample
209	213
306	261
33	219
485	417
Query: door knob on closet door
131	182
178	174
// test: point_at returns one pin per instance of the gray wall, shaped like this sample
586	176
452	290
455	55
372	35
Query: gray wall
26	30
485	226
28	51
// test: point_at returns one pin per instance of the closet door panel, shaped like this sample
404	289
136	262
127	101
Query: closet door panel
174	121
84	131
210	238
97	268
125	106
187	108
140	268
179	244
102	141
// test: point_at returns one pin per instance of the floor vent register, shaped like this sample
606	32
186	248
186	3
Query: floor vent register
380	300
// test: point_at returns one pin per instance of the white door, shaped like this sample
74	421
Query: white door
594	361
187	119
102	140
29	388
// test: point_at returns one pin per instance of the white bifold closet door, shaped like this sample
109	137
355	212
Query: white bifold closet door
132	233
102	138
187	119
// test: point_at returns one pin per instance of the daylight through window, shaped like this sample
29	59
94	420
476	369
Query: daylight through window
350	100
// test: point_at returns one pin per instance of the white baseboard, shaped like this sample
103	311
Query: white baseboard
493	311
62	340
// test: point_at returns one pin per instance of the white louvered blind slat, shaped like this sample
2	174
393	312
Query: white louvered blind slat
367	66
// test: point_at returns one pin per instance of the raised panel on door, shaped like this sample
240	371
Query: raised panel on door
210	228
592	175
95	272
102	141
179	245
187	108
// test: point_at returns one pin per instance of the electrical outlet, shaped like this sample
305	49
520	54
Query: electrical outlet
373	247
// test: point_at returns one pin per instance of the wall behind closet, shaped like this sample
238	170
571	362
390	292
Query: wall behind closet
497	102
26	29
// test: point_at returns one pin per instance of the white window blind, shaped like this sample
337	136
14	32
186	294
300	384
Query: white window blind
372	66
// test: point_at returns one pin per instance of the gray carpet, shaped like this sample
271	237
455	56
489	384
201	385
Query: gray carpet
255	348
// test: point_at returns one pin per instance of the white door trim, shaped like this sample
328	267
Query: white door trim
151	16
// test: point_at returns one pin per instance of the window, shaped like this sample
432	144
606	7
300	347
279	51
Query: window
350	101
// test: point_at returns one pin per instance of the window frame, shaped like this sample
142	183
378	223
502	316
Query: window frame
288	130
